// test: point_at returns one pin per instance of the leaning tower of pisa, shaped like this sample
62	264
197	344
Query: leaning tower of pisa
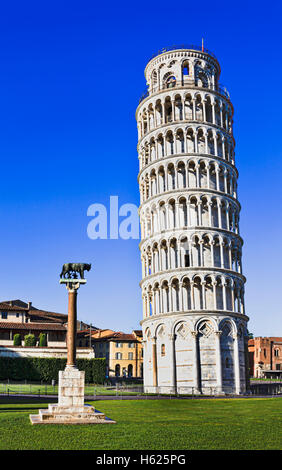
194	322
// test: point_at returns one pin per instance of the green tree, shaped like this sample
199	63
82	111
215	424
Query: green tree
17	339
42	339
29	340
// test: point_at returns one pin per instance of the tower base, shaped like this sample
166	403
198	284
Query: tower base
208	391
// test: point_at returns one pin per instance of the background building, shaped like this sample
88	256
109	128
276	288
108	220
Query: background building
265	357
194	322
18	317
123	351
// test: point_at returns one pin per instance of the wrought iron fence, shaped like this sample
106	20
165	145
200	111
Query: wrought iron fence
124	390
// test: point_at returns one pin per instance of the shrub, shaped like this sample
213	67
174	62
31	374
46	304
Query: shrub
29	340
42	339
17	339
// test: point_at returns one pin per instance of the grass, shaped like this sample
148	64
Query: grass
47	389
241	424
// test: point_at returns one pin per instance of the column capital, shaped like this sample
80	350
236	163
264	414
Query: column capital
72	285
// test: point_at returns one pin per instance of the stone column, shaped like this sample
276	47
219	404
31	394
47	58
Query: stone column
195	362
218	362
172	362
236	364
214	283
154	362
204	110
71	334
194	110
247	365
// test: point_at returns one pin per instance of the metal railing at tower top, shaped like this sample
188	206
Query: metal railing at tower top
183	46
181	84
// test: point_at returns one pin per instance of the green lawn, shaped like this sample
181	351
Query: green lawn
46	389
253	423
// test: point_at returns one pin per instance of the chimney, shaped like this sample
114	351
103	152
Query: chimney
29	305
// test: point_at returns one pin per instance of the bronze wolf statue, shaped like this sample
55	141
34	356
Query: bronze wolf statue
70	270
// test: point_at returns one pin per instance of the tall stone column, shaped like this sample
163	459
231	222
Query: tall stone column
70	408
72	326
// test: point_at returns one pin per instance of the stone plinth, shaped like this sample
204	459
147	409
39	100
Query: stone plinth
70	408
71	388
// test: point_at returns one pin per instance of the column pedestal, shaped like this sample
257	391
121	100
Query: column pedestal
70	408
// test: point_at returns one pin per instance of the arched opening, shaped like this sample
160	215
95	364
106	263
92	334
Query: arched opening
130	370
170	82
117	370
185	69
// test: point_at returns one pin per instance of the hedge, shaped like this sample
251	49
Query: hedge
47	369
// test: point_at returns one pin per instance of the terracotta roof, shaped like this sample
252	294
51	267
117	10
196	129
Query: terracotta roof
36	314
138	332
116	335
32	326
16	303
33	312
53	317
7	306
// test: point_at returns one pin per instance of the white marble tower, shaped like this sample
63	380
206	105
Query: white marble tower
194	321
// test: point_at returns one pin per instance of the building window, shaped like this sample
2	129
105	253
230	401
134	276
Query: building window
131	345
119	345
171	82
187	260
276	352
4	315
264	352
130	370
118	355
117	370
130	356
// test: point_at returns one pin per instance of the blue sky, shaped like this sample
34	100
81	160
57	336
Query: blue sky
71	74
